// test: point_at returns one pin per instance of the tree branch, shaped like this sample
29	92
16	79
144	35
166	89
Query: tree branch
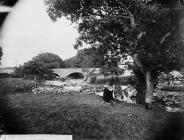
166	35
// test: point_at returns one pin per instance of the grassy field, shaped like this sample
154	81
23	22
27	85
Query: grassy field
86	117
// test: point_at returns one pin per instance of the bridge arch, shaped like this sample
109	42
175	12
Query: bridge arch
65	72
75	75
55	76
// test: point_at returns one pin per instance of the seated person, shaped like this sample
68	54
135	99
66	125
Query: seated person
108	93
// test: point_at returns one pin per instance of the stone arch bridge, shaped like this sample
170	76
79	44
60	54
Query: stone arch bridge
62	73
65	72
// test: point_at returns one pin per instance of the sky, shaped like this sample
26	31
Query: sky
28	31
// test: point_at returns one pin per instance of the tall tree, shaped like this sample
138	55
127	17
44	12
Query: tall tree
127	28
37	69
49	60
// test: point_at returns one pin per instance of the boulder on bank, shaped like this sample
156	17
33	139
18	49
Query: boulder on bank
124	93
91	79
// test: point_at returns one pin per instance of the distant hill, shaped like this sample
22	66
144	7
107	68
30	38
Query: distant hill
85	58
70	62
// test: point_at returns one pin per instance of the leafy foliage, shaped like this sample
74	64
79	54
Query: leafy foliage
111	70
124	27
19	71
49	60
149	32
36	68
40	66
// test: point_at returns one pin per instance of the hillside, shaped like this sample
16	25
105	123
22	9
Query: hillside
86	58
70	62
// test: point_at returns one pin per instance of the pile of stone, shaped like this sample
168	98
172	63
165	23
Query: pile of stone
91	89
173	101
54	83
174	109
169	98
72	88
46	90
65	86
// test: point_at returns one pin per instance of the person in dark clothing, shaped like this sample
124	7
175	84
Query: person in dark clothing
107	95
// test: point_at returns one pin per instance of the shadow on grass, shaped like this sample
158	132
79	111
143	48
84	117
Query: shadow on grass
173	128
10	122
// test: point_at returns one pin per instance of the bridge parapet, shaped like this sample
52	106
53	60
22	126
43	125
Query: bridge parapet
63	73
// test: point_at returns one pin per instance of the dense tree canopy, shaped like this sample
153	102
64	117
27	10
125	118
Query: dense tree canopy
35	68
49	60
121	28
40	66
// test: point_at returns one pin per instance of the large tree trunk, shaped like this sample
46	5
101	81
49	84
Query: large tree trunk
149	88
145	87
144	83
139	80
140	84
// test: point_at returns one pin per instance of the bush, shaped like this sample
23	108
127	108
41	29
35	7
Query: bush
18	73
17	85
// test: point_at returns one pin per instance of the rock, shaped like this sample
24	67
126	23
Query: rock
173	93
89	93
166	99
99	93
156	94
170	109
123	93
46	89
91	79
131	91
72	88
177	102
168	103
54	83
128	100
